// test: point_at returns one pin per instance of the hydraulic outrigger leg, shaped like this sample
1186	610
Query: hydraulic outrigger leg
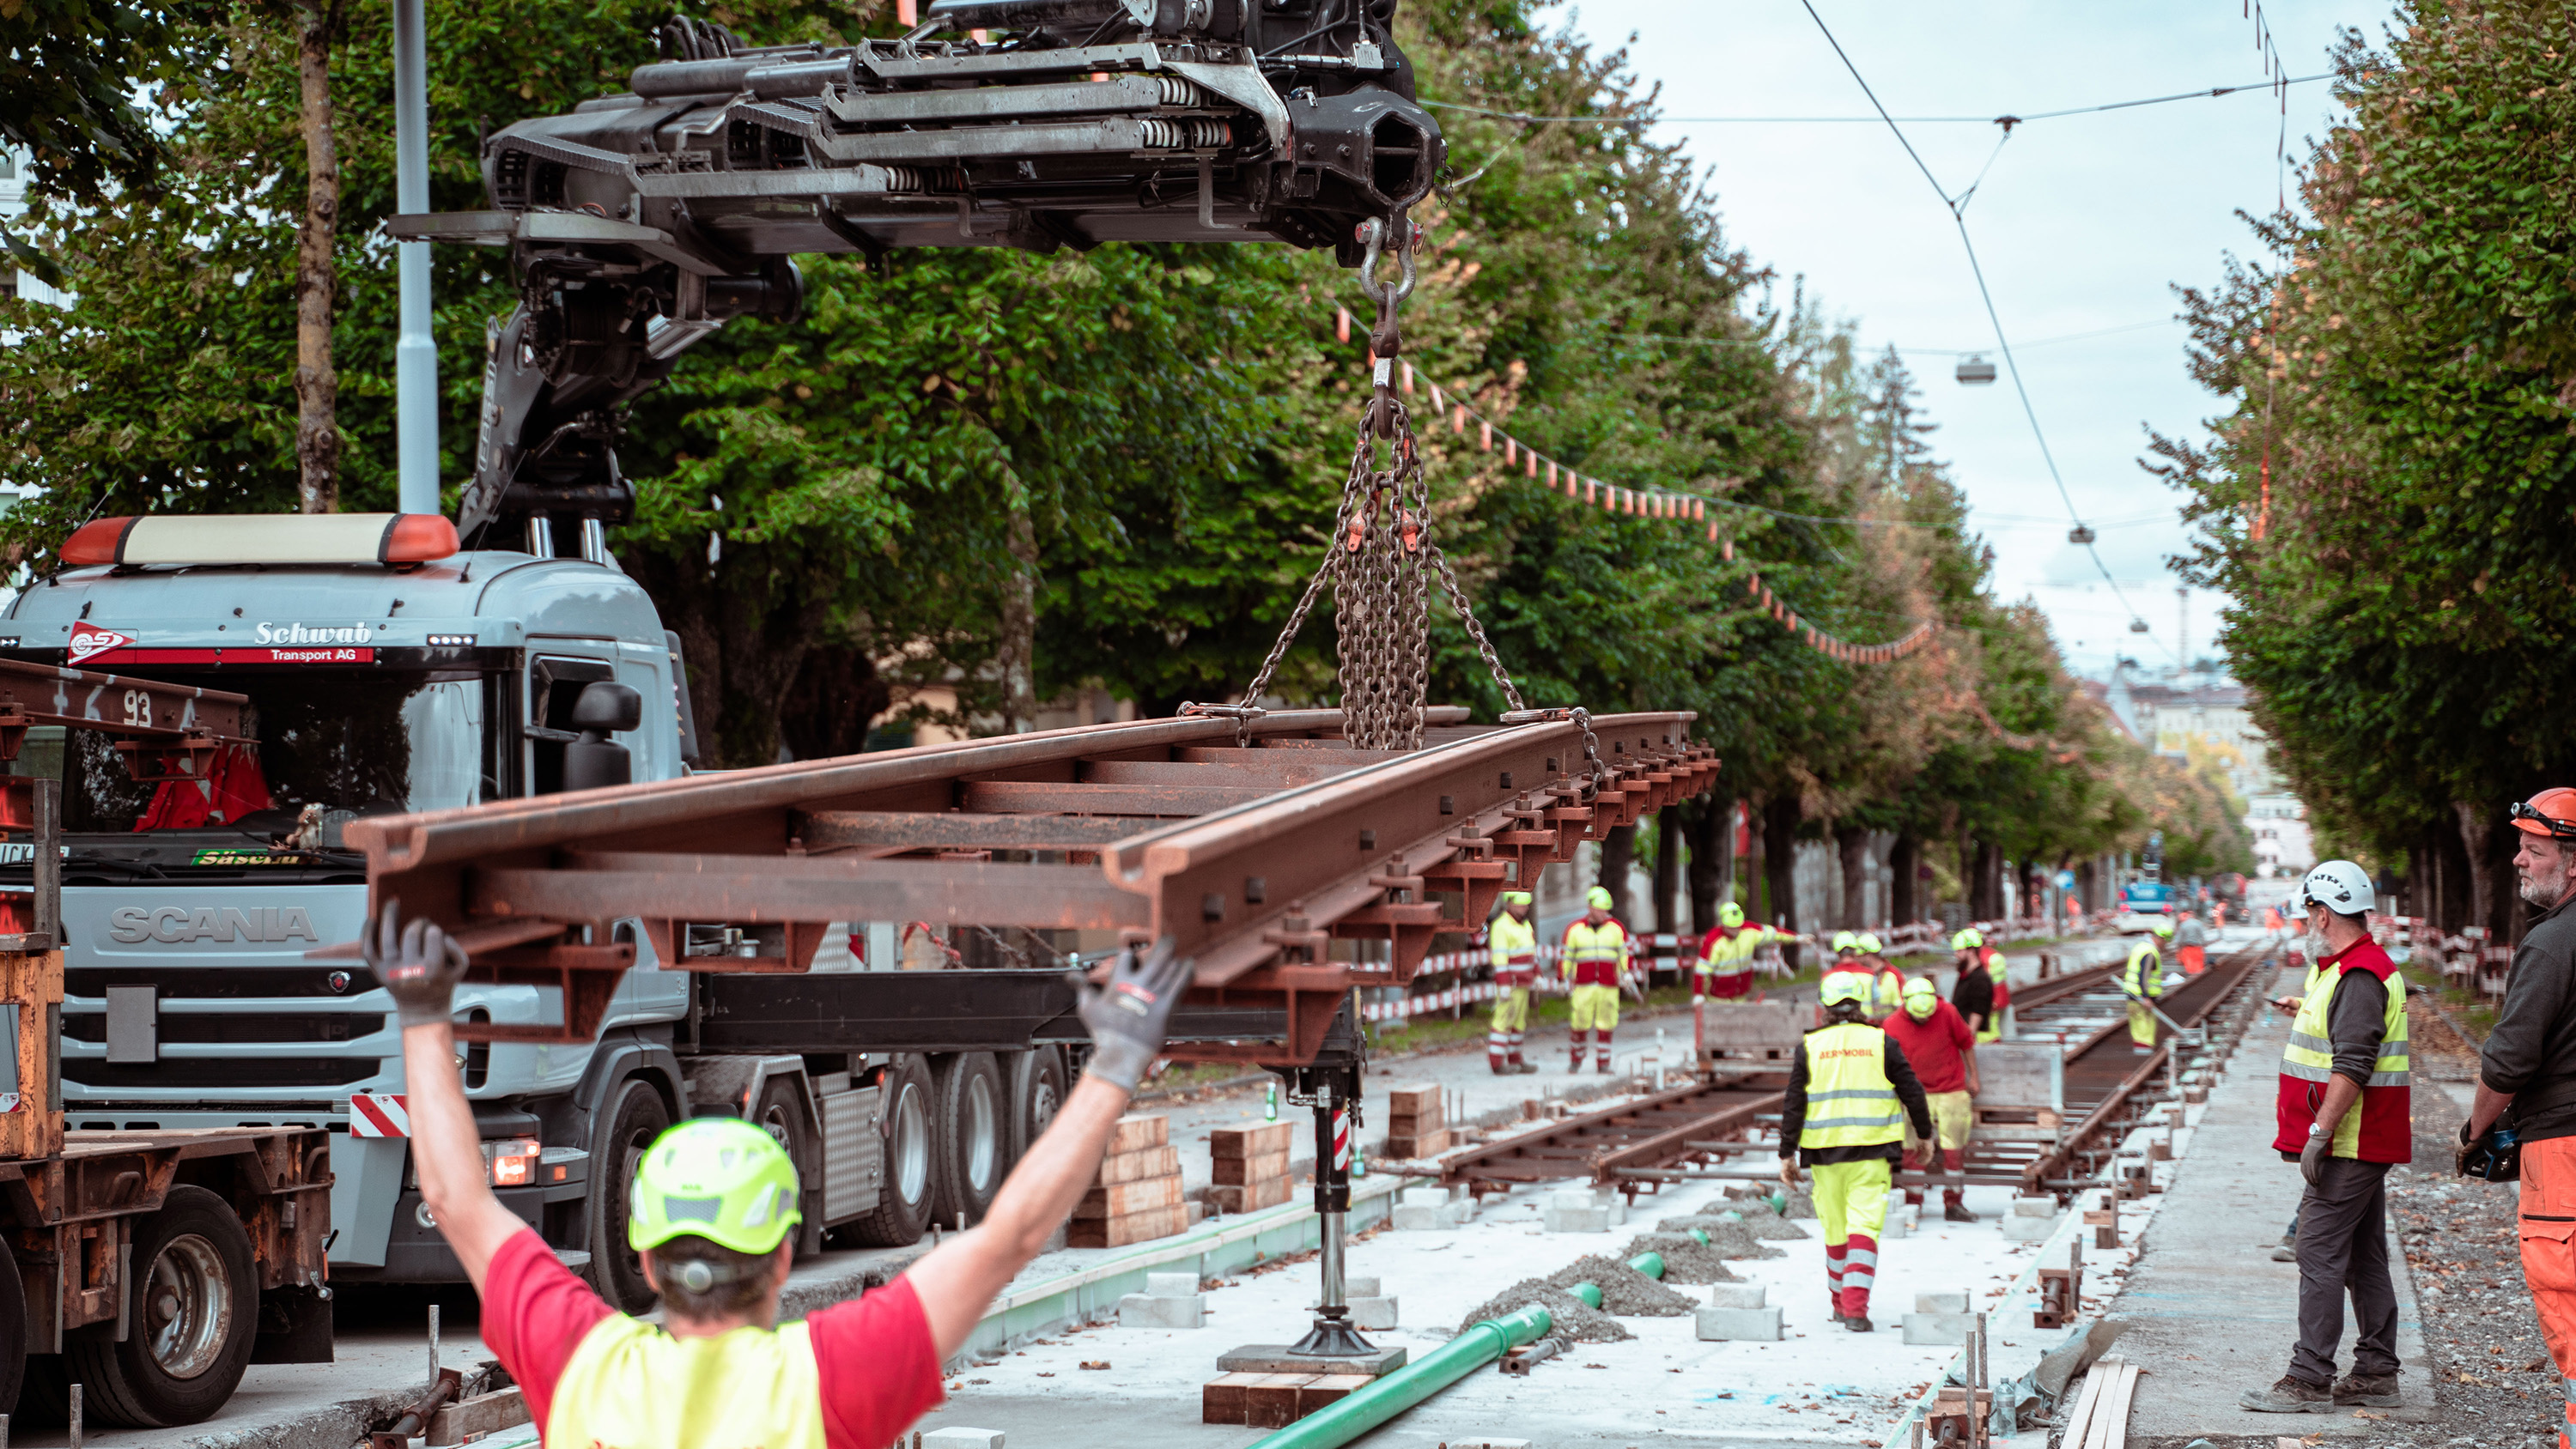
1335	1091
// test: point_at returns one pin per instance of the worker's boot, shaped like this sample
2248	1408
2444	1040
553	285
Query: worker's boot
1860	1324
2376	1392
2289	1396
1955	1211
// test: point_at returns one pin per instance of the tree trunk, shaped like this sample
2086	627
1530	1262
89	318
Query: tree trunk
1668	870
1780	817
1851	845
827	710
1903	862
2455	883
317	382
1618	852
2477	830
1020	622
1709	824
1985	880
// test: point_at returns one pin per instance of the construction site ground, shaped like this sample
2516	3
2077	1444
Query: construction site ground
1820	1385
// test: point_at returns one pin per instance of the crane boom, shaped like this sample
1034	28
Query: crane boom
640	223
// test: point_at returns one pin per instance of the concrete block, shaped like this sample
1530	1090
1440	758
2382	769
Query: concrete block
1737	1295
1171	1285
1430	1197
1373	1314
1575	1219
1949	1329
1360	1287
1941	1302
1138	1310
2027	1230
1739	1325
962	1439
1491	1443
1411	1219
1460	1211
2034	1207
1572	1197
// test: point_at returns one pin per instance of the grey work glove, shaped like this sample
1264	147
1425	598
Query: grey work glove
2314	1156
1127	1015
417	965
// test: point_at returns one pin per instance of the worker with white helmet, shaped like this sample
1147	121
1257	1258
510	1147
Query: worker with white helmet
1726	953
2346	1116
1594	958
1513	942
1847	962
1851	1094
2142	980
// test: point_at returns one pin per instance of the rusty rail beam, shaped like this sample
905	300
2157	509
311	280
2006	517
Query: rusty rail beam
1255	857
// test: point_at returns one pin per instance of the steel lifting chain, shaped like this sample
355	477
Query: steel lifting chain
1380	550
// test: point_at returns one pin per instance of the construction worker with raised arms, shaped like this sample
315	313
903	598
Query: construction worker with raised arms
1851	1094
1943	1053
1513	942
1594	958
1726	953
2346	1115
713	1210
1983	989
2142	980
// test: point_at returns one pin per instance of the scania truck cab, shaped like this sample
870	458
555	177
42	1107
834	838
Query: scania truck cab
386	671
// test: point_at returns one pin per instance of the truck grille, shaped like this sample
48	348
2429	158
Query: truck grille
280	1027
223	1072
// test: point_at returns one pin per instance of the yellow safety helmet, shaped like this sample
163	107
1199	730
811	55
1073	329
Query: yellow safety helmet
1845	941
1922	998
1967	940
1598	898
1868	944
1844	986
2161	925
1730	915
1516	898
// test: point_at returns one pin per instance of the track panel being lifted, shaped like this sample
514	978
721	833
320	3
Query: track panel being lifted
1257	855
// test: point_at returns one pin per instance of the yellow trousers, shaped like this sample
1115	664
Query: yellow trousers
1596	1007
1511	1010
2142	1024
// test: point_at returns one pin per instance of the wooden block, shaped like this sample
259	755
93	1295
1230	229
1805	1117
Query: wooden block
2101	1218
1120	1199
1249	1197
1138	1131
1328	1387
479	1415
1262	1141
1239	1171
1118	1232
1416	1101
1431	1144
1271	1403
1221	1399
1135	1166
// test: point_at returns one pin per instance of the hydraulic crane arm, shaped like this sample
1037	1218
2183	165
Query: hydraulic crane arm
640	223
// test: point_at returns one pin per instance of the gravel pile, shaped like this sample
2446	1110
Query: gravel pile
1801	1204
1730	1237
1686	1259
1624	1291
1575	1320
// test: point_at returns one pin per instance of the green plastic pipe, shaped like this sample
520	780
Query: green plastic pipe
1650	1264
1352	1415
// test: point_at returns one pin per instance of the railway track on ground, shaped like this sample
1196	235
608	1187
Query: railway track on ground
1692	1132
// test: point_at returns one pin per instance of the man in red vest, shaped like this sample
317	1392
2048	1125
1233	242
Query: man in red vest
2345	1118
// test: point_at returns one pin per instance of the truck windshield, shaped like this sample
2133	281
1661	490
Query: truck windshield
373	742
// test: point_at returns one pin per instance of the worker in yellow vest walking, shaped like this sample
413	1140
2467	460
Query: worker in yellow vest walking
1594	958
2142	980
1514	944
1726	954
1851	1094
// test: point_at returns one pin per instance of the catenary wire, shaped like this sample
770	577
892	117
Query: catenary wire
2007	120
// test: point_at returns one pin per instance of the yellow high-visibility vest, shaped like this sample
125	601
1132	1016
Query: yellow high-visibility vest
1514	944
1850	1101
2309	1058
631	1385
1594	954
2145	973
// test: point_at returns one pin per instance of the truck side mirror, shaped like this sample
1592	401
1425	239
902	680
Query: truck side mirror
595	760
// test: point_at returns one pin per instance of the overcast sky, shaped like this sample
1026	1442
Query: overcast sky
2083	224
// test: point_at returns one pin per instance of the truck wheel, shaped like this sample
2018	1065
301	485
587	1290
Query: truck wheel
902	1213
635	1116
781	1112
971	1145
1037	1090
192	1311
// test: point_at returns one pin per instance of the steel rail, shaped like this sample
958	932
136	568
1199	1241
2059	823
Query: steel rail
2215	988
1253	855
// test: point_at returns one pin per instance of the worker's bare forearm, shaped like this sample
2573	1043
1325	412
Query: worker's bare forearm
446	1147
2489	1105
2341	1093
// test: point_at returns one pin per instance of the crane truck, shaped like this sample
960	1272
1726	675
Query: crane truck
399	663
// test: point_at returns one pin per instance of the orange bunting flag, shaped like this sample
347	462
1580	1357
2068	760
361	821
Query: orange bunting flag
1458	422
1712	537
1699	509
1342	323
1551	475
1438	403
1591	487
1371	350
1532	470
1510	446
1408	378
1484	435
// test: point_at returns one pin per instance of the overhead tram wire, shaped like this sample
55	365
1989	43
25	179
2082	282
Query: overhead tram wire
1957	207
2007	121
